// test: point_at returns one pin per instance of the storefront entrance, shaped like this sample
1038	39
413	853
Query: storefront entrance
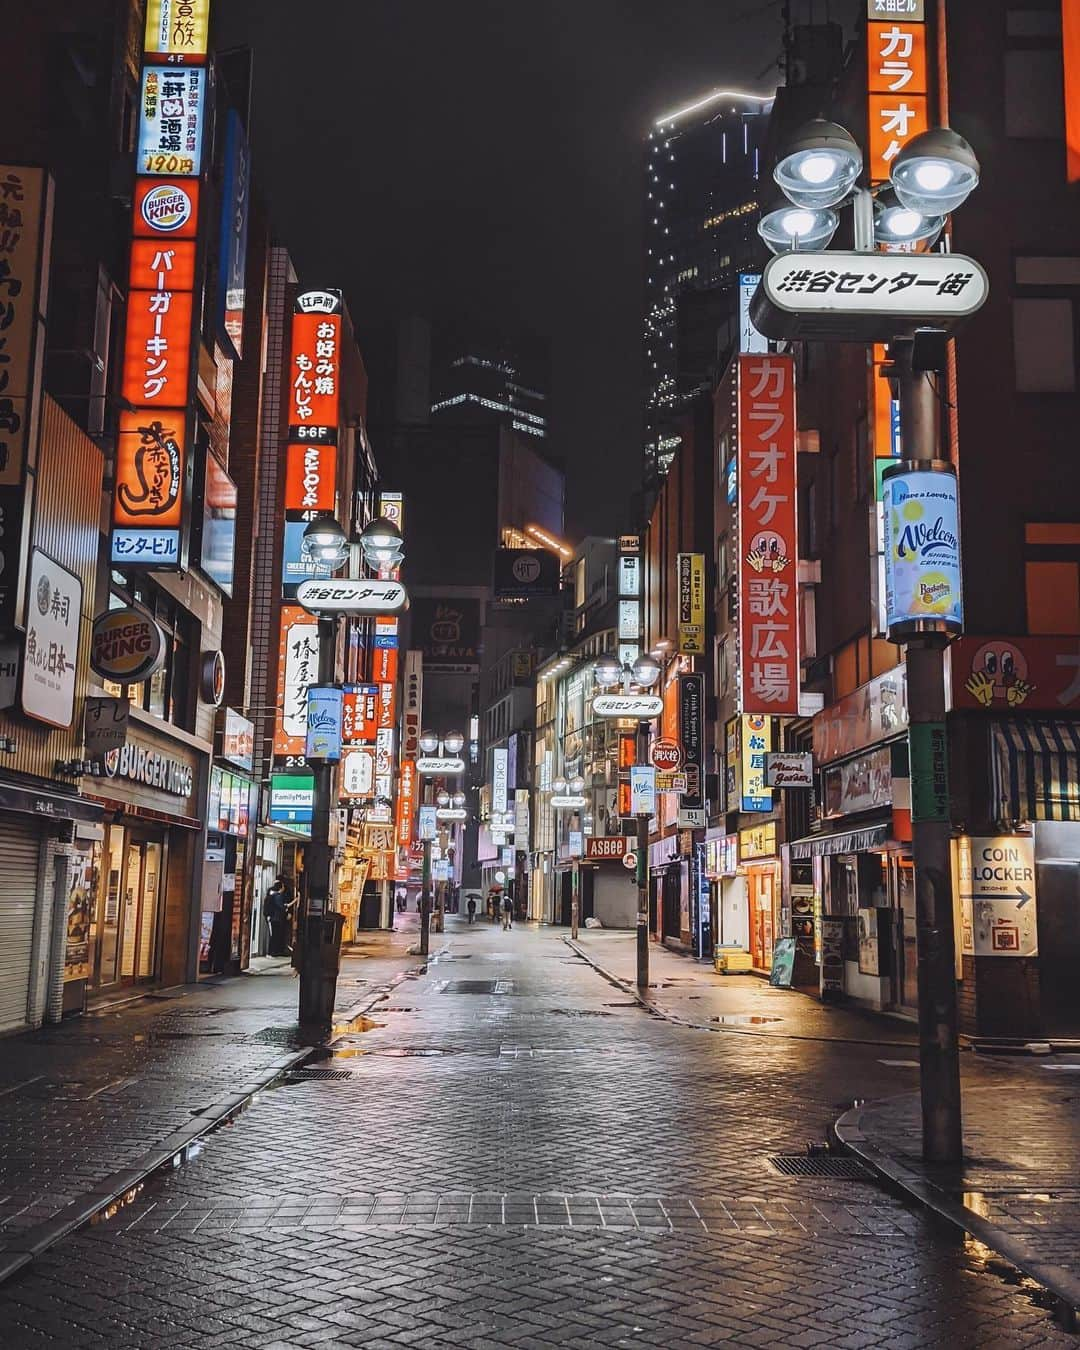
905	962
763	889
124	935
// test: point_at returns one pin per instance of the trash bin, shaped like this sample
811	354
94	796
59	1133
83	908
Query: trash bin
323	934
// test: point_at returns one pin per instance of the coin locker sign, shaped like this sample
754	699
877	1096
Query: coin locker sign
998	895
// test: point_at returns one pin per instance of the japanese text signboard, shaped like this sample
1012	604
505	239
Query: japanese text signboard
176	31
406	799
690	569
768	593
314	367
866	297
897	81
692	740
52	642
171	117
298	668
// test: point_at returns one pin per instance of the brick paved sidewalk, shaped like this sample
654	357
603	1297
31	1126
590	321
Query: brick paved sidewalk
691	990
92	1102
1019	1188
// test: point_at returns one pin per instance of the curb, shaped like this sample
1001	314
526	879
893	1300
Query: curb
26	1246
1062	1284
657	1010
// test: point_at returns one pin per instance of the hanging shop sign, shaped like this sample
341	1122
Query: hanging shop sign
176	31
692	740
860	784
171	119
642	790
370	595
568	802
126	646
519	573
629	574
431	766
157	350
768	547
51	650
784	770
999	674
323	739
212	678
360	713
450	814
292	798
310	478
105	724
238	739
499	758
628	705
690	579
298	669
149	489
758	841
866	297
314	367
755	742
997	895
232	262
897	80
606	848
922	549
666	754
165	208
357	771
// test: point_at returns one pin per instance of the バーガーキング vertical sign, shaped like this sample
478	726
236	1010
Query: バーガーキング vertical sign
153	462
768	547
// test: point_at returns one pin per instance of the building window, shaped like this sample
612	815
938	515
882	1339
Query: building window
1044	352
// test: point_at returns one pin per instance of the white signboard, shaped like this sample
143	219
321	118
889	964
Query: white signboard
997	895
750	340
629	620
432	765
628	705
427	827
357	772
301	668
629	575
54	602
346	595
642	790
171	120
789	771
868	297
499	758
691	818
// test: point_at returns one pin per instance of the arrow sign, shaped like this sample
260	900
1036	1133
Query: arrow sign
1021	897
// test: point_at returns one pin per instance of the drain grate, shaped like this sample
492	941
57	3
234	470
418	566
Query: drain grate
478	987
306	1075
835	1166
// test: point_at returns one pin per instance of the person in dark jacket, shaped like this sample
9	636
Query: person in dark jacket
276	907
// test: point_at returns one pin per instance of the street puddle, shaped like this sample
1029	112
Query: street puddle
744	1019
357	1024
392	1052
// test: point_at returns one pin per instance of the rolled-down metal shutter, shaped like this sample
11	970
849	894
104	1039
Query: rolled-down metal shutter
19	844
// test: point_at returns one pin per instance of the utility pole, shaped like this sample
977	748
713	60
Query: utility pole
939	1056
318	981
642	757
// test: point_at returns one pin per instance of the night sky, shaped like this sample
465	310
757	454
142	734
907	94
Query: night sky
481	161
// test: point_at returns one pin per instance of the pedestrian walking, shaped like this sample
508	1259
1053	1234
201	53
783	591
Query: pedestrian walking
278	904
507	912
471	907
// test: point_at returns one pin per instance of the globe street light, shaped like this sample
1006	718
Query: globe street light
428	742
645	671
935	172
326	541
819	165
608	671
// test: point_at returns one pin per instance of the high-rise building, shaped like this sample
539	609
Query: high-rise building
480	379
701	181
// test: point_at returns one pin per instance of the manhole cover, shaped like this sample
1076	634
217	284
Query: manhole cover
833	1165
478	987
305	1075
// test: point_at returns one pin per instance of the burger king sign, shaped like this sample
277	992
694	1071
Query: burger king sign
126	646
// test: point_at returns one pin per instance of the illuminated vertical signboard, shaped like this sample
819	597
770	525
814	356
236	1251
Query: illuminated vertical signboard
897	81
152	489
768	547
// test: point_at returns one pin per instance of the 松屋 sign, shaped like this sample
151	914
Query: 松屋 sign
922	551
866	297
364	595
768	547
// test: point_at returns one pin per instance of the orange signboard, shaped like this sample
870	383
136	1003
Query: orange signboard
157	349
162	265
313	384
360	713
166	208
893	122
311	477
150	460
387	706
1070	41
768	592
384	665
896	53
405	799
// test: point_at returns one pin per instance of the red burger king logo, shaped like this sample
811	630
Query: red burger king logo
165	207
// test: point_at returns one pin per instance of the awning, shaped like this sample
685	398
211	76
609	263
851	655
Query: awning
1035	771
47	805
847	841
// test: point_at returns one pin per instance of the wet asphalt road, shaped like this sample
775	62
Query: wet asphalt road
517	1156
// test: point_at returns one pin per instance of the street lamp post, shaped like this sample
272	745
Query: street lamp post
567	795
932	175
449	745
320	937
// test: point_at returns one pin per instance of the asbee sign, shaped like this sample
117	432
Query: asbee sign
345	596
